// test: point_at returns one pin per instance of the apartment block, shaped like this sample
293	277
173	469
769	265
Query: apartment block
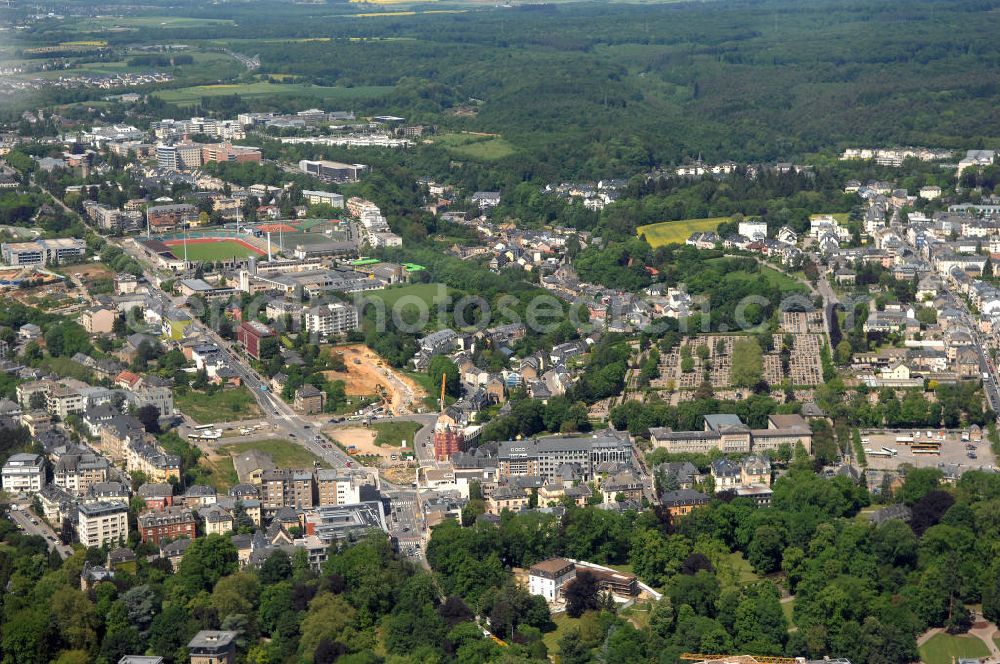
76	473
102	523
286	487
23	473
167	524
334	487
331	319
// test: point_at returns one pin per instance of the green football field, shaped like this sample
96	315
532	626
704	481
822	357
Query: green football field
213	251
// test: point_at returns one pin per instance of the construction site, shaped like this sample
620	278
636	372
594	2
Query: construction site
367	375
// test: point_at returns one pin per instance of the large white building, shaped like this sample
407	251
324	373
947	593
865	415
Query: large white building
102	523
548	577
330	319
24	473
332	170
43	252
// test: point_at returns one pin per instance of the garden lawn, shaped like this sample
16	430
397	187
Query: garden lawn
563	624
391	434
945	648
222	406
284	453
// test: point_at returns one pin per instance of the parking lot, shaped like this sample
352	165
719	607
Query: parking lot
953	451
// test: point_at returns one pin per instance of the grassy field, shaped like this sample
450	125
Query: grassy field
223	473
841	217
214	251
284	453
779	279
669	232
423	292
782	281
475	146
391	434
192	95
945	648
222	406
111	22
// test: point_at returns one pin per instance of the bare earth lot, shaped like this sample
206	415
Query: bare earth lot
367	374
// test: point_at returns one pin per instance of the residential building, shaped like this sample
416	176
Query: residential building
335	487
331	319
64	399
545	456
98	320
286	487
167	524
682	501
102	523
213	647
486	199
218	521
507	497
157	495
250	334
309	400
250	467
755	230
180	157
23	473
548	577
77	473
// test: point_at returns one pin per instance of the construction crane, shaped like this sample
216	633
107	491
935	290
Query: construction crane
741	659
443	376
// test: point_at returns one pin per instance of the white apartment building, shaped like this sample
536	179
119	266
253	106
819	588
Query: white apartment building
102	523
23	473
329	319
63	401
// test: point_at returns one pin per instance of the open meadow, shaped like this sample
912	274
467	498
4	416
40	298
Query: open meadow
676	232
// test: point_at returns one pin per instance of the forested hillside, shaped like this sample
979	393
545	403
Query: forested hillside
592	90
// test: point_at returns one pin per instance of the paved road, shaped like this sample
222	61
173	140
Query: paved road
27	522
